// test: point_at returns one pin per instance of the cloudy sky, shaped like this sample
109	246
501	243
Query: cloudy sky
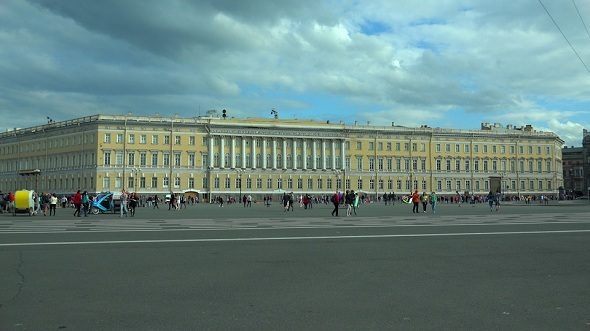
443	63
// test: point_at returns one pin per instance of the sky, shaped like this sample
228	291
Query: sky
443	63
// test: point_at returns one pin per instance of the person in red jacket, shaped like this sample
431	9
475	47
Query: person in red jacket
416	201
77	200
336	201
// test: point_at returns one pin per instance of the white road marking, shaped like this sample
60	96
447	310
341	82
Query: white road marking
155	241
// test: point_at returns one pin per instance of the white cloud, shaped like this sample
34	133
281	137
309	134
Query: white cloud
414	62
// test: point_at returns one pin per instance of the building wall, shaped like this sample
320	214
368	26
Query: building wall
210	156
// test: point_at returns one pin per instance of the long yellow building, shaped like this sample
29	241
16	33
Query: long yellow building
210	156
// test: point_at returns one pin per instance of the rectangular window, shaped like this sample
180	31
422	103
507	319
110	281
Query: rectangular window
107	158
166	140
154	140
191	141
154	182
143	139
107	137
131	139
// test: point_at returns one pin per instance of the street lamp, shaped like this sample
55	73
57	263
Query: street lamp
411	174
337	173
135	172
240	173
502	186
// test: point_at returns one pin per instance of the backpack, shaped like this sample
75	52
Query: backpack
332	199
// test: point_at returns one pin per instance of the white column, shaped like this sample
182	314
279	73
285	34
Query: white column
285	153
253	149
243	152
294	151
233	152
314	153
323	155
274	153
263	153
222	152
333	153
211	138
342	155
304	154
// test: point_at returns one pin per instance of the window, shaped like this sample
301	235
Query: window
371	146
359	146
437	148
359	163
107	137
388	146
475	148
166	160
107	158
191	141
131	158
177	157
119	138
466	148
131	138
191	183
448	148
397	147
166	140
143	139
379	146
191	160
154	140
457	148
154	159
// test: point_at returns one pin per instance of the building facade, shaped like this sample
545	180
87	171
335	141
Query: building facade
227	157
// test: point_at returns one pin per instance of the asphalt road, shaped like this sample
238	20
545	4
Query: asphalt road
205	267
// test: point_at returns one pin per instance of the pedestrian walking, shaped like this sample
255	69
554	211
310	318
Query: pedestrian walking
415	201
77	200
335	199
424	199
433	200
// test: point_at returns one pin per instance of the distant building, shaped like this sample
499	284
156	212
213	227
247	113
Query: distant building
586	146
573	170
211	156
